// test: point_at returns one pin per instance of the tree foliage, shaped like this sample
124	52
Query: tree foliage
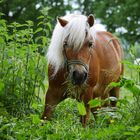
20	11
121	16
22	68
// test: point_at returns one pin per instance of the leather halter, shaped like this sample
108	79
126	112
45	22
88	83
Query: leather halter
73	61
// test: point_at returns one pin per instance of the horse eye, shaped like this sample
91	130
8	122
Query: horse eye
90	44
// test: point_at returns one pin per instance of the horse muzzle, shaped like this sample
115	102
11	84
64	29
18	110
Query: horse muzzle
77	75
78	78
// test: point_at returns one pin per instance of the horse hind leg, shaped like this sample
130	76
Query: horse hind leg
114	92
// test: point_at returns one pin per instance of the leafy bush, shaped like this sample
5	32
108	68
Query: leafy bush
23	66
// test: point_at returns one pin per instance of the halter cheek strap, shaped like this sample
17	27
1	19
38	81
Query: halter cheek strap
72	62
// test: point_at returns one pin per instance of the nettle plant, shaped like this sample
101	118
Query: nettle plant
132	84
23	65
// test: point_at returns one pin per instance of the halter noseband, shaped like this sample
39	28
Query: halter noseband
71	62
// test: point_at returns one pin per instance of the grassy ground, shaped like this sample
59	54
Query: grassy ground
65	125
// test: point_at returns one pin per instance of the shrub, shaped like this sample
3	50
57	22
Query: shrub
23	66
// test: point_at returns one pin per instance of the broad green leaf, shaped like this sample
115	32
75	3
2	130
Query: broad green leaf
135	89
35	119
34	105
38	30
94	103
30	23
42	85
40	23
49	25
40	17
114	84
81	108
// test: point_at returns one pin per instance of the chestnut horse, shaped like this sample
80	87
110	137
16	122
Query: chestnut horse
82	63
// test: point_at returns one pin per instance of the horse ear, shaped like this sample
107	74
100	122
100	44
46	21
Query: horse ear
63	22
90	20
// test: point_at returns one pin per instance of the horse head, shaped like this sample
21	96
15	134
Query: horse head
77	48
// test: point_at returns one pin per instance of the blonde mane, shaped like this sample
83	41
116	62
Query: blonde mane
75	30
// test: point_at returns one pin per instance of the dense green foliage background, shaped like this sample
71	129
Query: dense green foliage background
25	31
116	15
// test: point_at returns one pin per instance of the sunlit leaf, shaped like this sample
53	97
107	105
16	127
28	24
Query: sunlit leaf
38	30
35	119
94	103
40	17
81	108
114	84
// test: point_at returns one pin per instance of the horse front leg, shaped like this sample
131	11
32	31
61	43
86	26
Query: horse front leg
53	97
84	119
86	96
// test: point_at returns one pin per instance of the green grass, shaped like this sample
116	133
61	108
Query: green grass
65	125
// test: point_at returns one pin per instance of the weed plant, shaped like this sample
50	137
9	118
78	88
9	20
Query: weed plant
23	65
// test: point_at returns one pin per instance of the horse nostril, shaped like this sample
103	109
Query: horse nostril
76	75
78	78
